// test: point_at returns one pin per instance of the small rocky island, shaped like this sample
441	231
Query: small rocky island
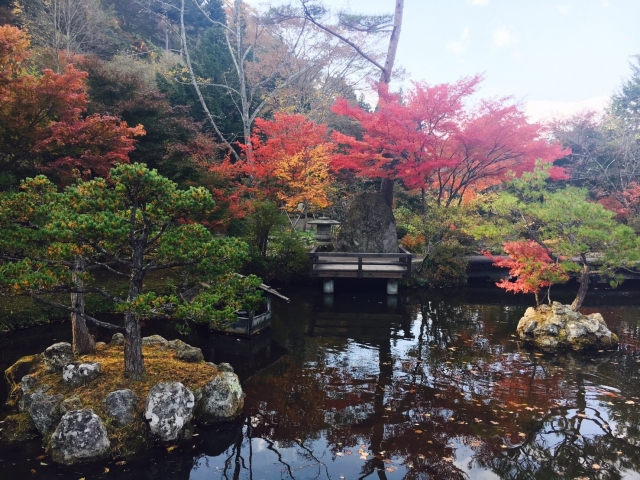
556	326
85	409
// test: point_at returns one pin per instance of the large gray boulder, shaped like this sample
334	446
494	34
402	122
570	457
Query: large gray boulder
76	374
44	411
25	400
220	399
190	354
121	405
155	341
57	356
80	437
369	226
558	327
169	410
117	339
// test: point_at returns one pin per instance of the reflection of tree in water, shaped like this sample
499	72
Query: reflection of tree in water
461	383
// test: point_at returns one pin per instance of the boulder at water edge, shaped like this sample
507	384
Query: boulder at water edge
557	327
221	399
120	405
57	356
169	409
80	437
44	411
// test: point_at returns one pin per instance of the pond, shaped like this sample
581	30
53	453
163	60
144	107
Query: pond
435	386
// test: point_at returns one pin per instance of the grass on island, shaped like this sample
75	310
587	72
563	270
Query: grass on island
161	366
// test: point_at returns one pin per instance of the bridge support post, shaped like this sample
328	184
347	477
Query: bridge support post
327	286
392	287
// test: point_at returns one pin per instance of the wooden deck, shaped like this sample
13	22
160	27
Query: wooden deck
360	265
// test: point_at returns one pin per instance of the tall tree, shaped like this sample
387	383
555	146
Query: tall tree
432	139
136	223
347	28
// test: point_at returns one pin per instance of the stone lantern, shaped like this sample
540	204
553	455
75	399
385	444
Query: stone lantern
324	229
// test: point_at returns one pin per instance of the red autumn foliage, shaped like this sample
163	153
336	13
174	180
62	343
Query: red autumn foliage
532	266
41	118
432	138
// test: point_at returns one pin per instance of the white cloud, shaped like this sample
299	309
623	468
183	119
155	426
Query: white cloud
564	8
479	2
545	110
461	45
503	36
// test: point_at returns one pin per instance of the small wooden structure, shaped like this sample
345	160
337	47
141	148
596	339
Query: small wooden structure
331	265
251	323
360	265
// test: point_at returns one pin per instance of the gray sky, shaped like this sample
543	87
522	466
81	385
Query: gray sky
553	55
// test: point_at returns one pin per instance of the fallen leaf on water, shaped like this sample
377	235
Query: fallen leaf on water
521	434
418	431
33	470
363	457
503	446
106	470
340	454
582	415
493	423
430	442
121	462
630	402
390	469
595	466
44	464
40	457
349	452
448	459
299	440
171	448
421	457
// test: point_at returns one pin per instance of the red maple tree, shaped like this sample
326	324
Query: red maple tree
532	267
42	123
432	138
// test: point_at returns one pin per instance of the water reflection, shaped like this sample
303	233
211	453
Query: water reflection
440	388
433	387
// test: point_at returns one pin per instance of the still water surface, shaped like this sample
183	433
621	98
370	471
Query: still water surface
435	387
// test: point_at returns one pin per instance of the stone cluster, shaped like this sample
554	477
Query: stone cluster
79	434
556	326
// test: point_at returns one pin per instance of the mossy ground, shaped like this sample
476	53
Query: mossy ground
161	366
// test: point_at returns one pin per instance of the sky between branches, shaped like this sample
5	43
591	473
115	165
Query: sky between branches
554	56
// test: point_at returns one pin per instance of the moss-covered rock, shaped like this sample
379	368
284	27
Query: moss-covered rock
558	327
67	399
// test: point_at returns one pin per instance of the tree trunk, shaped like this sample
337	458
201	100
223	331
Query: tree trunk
584	286
133	360
386	190
385	77
83	342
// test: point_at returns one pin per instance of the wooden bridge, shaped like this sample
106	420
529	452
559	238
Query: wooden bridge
360	265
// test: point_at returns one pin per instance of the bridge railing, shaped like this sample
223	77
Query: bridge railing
360	265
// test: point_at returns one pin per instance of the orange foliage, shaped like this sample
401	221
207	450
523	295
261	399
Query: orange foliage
41	118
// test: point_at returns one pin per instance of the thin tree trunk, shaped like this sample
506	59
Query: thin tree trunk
83	342
385	77
584	286
133	359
